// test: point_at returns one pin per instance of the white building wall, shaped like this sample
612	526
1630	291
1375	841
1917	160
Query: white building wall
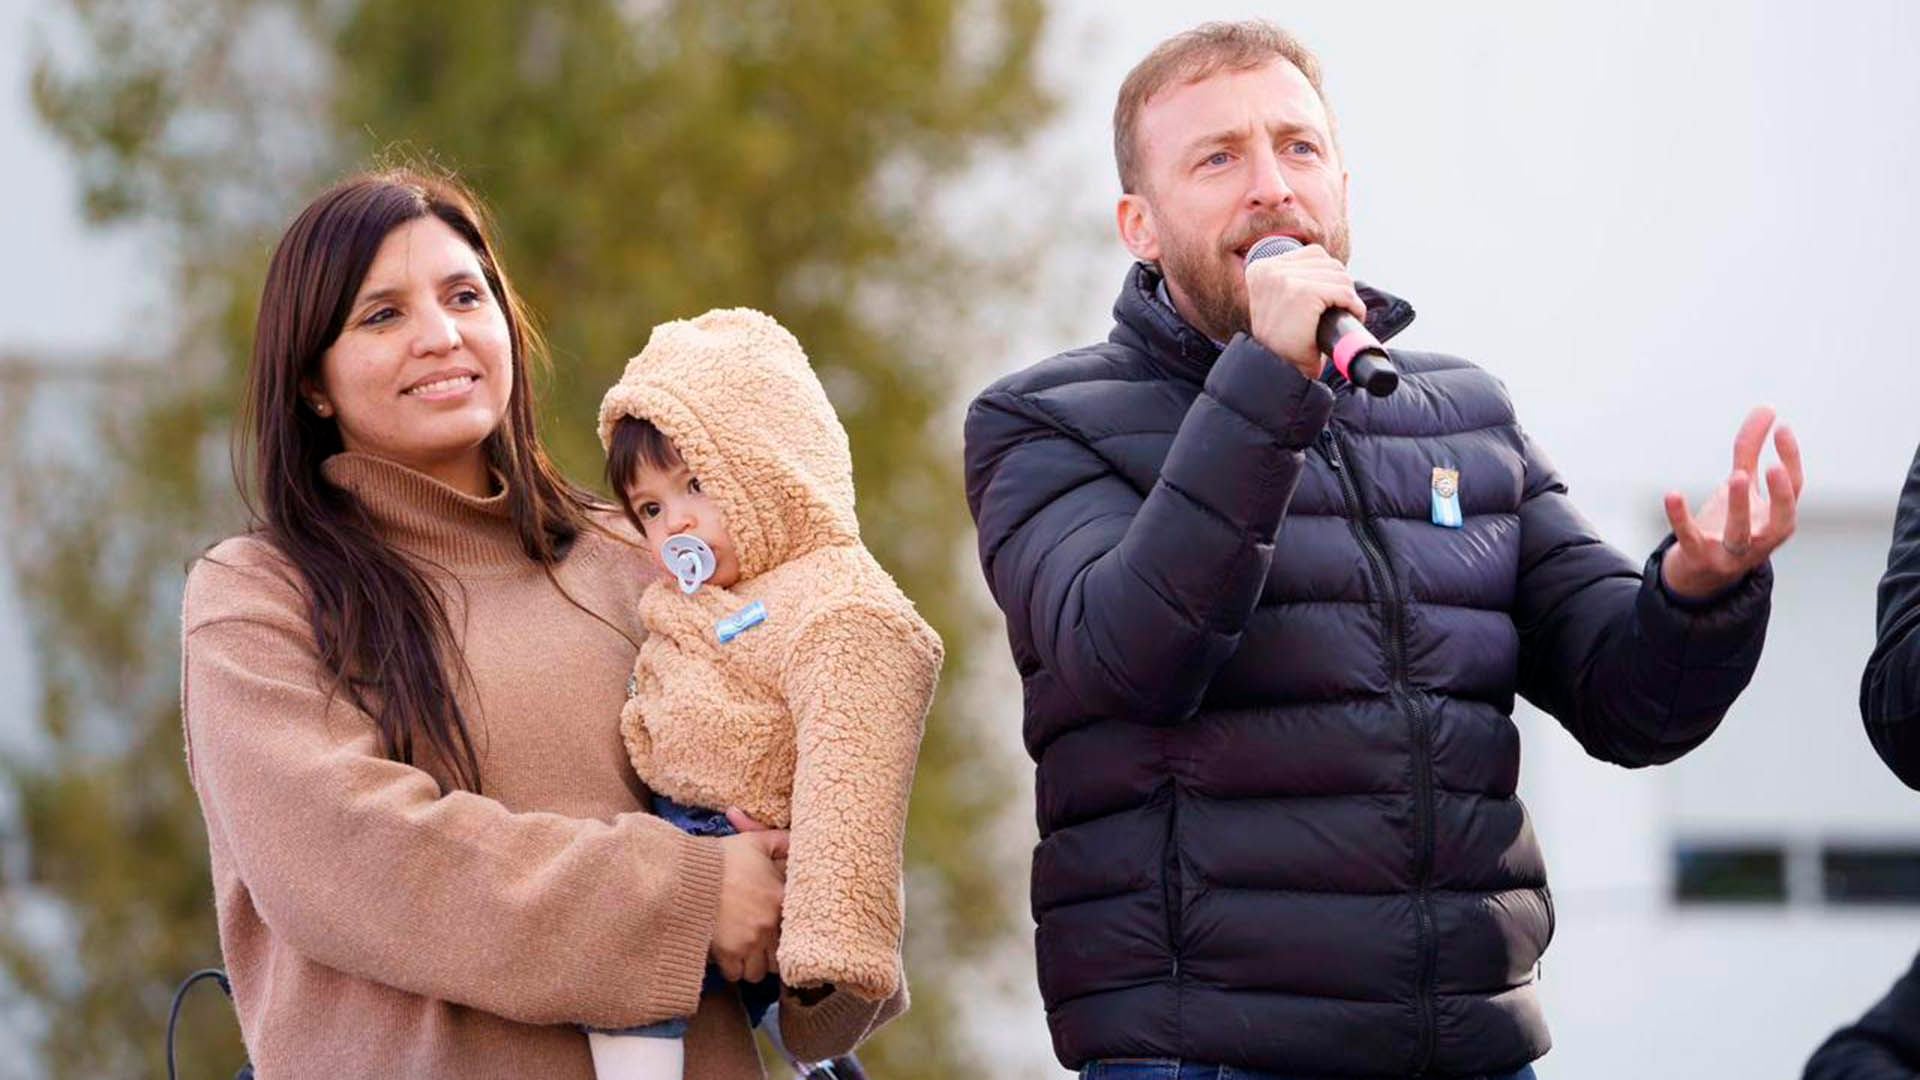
1636	985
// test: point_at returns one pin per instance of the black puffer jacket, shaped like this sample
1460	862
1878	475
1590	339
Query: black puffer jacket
1882	1045
1890	687
1276	764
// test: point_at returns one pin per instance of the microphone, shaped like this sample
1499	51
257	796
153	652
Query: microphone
1357	355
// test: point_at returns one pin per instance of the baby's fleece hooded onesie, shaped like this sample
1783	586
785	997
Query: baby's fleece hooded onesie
812	719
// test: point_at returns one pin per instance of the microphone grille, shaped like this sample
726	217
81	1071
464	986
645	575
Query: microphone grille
1271	245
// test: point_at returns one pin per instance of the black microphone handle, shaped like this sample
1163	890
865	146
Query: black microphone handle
1375	374
1370	370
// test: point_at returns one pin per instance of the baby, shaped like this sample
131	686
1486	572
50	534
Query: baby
783	673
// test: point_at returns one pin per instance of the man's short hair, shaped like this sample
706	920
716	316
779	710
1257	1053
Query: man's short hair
1200	53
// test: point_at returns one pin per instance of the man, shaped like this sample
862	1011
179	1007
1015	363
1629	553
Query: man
1884	1044
1268	681
1890	687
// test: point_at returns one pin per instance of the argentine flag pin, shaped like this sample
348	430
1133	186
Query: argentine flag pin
740	622
1446	498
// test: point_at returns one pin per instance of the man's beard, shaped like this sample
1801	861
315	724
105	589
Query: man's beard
1214	286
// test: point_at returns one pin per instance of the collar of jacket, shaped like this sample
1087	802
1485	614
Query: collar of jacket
1143	322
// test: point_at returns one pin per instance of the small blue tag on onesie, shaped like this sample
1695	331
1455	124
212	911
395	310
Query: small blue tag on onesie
1446	498
740	622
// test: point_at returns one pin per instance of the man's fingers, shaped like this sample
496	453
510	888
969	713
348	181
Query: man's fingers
1752	437
730	967
755	968
1737	537
1783	509
1312	270
1303	261
1343	296
1293	269
1336	294
1310	257
1787	445
1681	520
1310	275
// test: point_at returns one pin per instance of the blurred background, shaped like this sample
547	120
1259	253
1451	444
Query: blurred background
1645	217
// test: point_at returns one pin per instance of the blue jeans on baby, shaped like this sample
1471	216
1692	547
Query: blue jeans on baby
758	997
1166	1069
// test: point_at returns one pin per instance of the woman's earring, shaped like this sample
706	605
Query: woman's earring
321	408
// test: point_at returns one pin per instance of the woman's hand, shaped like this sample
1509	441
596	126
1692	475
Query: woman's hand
746	929
738	818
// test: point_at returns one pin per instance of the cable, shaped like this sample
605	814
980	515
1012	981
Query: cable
173	1015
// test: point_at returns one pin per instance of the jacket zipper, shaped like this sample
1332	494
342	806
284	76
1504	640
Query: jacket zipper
1173	886
1394	606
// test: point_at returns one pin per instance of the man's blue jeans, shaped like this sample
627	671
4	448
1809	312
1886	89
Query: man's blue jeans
1175	1070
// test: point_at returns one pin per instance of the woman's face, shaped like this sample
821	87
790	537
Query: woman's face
423	366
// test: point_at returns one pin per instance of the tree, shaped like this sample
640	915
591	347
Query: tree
647	161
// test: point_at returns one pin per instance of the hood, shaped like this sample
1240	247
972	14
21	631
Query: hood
734	391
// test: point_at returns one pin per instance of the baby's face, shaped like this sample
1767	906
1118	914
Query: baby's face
669	503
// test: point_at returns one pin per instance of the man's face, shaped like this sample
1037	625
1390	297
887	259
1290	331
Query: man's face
1225	161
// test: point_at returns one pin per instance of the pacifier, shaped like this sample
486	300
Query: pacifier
689	559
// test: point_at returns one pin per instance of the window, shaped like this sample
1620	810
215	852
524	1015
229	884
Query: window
1798	870
1870	874
1730	874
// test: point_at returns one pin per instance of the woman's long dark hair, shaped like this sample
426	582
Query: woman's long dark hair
381	628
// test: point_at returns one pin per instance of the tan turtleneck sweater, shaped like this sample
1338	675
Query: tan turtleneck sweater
374	927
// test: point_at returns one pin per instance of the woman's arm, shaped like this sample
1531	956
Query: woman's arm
360	863
822	1028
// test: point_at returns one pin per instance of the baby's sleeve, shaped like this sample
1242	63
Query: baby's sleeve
859	682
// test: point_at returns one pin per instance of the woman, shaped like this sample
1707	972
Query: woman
401	693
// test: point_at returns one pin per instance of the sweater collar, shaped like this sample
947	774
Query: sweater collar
1143	321
424	517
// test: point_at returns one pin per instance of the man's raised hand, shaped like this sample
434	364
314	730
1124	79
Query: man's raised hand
1720	545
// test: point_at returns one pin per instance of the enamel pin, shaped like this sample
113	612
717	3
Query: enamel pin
740	622
1446	498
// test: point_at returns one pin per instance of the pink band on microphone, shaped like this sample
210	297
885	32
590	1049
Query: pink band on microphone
1348	347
